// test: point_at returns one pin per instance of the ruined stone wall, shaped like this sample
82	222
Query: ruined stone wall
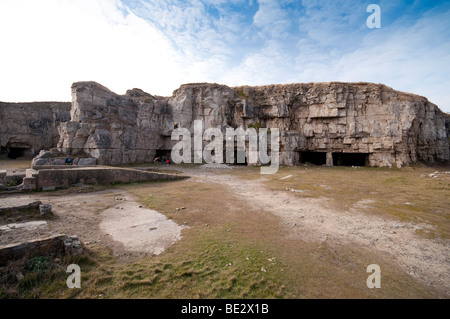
65	177
31	126
391	127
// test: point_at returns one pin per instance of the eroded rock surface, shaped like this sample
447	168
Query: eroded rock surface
27	128
389	128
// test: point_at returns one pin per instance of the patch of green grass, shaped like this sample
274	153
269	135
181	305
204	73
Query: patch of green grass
241	93
11	183
208	269
231	250
40	276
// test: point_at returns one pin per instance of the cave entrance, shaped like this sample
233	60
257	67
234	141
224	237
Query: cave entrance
161	153
15	152
350	159
316	158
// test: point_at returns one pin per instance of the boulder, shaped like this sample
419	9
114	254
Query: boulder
73	246
87	161
45	209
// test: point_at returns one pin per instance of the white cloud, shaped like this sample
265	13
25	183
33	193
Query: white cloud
158	45
272	20
48	44
409	58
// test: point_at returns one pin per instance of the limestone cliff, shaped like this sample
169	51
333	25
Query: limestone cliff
27	128
387	127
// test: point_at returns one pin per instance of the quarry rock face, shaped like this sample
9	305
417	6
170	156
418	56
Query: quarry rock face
27	128
327	123
114	129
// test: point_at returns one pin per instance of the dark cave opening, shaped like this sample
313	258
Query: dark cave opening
316	158
15	152
350	159
160	153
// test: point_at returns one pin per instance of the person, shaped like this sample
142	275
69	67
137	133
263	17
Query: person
163	159
168	162
68	160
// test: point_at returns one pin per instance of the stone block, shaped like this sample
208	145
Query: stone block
59	161
73	246
45	209
29	184
29	173
142	123
87	161
41	246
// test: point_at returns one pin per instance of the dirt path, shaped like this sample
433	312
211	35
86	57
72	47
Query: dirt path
311	220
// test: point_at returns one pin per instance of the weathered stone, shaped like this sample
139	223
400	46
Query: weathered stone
332	117
30	173
59	161
26	226
45	209
18	205
26	128
64	177
28	184
391	127
73	246
40	161
87	161
41	246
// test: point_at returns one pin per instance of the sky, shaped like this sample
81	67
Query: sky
157	45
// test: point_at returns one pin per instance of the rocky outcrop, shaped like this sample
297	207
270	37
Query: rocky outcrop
391	127
114	129
27	128
341	121
55	157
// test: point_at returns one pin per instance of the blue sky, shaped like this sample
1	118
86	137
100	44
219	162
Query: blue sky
157	45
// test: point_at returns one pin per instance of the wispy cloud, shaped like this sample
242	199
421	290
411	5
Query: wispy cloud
412	57
48	44
159	44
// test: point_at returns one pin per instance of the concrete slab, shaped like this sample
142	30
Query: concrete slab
27	226
18	203
140	229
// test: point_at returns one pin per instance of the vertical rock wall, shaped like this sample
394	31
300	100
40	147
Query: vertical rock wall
27	128
390	128
114	129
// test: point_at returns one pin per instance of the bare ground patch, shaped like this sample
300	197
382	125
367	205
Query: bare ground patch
109	218
316	218
248	236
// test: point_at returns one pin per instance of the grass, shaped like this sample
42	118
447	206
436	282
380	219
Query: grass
232	250
406	194
240	91
38	276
